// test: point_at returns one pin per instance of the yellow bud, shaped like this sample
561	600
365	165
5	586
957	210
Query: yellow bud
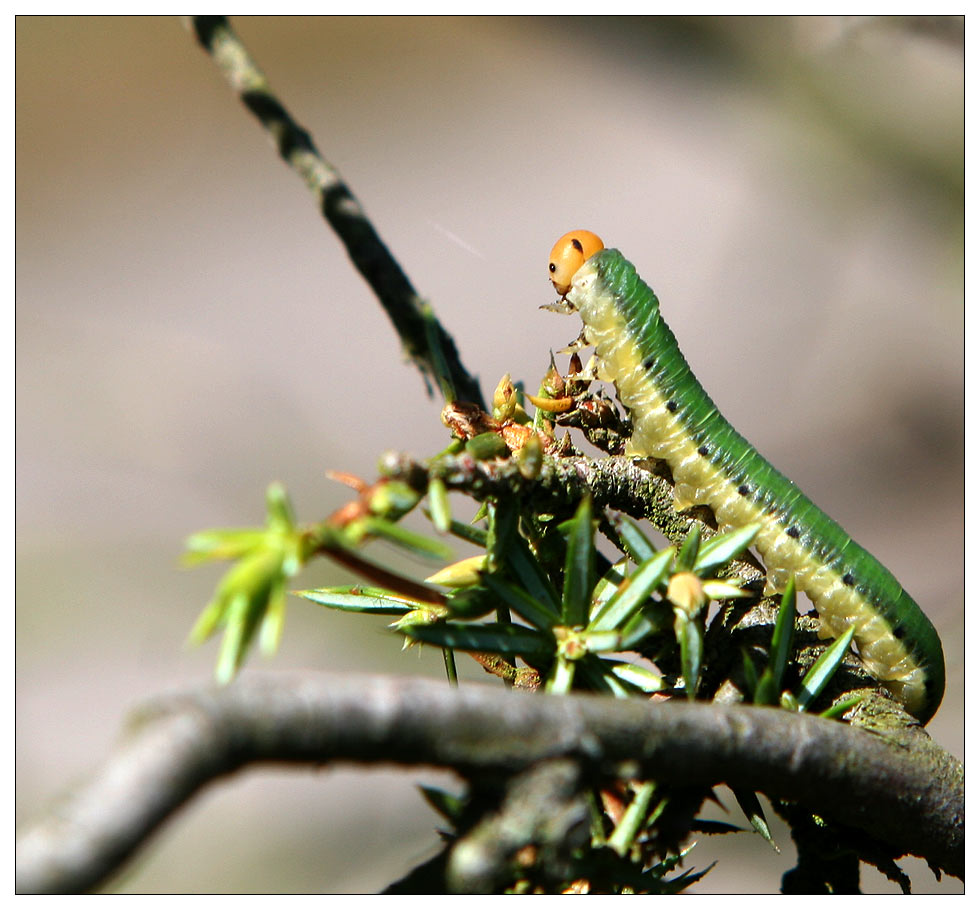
686	592
422	616
460	574
552	405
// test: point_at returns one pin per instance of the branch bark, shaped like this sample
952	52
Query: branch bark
902	789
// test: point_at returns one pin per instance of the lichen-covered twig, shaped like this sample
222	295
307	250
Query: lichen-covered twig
634	486
426	342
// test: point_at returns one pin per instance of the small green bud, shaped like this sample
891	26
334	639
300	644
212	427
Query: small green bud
504	399
530	458
553	385
442	516
392	499
487	446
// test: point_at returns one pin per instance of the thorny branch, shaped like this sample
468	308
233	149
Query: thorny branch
635	486
898	786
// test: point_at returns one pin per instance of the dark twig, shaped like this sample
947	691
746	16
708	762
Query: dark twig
545	806
425	340
899	786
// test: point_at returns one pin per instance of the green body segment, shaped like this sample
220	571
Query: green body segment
674	419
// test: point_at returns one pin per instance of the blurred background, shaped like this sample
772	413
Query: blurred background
188	330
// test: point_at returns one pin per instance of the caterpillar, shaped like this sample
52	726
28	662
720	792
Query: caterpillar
675	420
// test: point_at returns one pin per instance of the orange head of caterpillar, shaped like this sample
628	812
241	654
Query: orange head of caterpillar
568	255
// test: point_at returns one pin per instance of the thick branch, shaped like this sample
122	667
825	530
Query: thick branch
908	793
342	211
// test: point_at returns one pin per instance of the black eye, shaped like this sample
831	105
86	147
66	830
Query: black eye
552	267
